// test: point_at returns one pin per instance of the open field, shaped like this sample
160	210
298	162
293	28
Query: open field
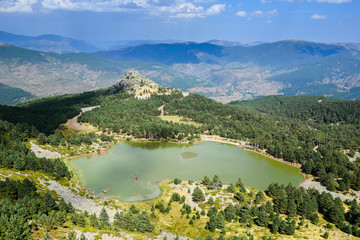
179	119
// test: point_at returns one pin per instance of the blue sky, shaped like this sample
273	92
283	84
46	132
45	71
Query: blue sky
192	20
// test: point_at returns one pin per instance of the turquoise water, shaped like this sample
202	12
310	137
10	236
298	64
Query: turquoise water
132	170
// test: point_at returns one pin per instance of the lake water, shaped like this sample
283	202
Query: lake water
130	171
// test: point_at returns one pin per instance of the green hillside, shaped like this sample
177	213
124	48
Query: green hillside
306	108
10	95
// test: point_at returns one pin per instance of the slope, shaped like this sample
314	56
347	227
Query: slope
45	74
10	95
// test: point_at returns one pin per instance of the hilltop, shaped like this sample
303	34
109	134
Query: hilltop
47	74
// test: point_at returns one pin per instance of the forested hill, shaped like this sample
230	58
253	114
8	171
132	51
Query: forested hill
286	127
10	95
313	108
138	108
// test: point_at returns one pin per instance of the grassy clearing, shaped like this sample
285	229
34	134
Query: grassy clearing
179	119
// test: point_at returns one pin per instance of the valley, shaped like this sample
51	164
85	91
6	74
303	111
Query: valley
104	180
221	72
179	120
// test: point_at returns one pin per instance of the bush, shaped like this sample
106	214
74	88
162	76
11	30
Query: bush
177	181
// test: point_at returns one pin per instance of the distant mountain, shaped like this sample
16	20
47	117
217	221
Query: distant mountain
227	43
164	53
242	72
45	74
10	95
116	45
47	43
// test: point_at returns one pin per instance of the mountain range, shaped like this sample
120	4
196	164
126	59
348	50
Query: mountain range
48	43
46	74
291	67
223	70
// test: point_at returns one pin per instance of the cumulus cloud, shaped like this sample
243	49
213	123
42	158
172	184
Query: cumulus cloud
258	14
17	5
241	14
215	9
96	5
161	8
318	17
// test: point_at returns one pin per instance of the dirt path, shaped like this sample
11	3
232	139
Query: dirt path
73	123
161	109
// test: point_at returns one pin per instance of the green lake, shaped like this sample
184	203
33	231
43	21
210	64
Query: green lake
130	171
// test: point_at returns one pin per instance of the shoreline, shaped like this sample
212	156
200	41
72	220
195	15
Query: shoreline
204	138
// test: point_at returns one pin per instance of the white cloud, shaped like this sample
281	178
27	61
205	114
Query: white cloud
265	1
191	11
96	5
318	17
258	14
17	6
215	9
241	14
160	8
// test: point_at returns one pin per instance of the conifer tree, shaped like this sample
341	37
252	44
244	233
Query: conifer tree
104	218
198	195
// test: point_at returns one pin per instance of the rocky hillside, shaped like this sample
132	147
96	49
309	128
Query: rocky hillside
46	74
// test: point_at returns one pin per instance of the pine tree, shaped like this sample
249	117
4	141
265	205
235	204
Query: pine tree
143	223
81	220
104	218
205	181
239	196
262	219
275	224
291	208
220	221
211	224
198	195
60	218
93	220
231	188
239	183
49	201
